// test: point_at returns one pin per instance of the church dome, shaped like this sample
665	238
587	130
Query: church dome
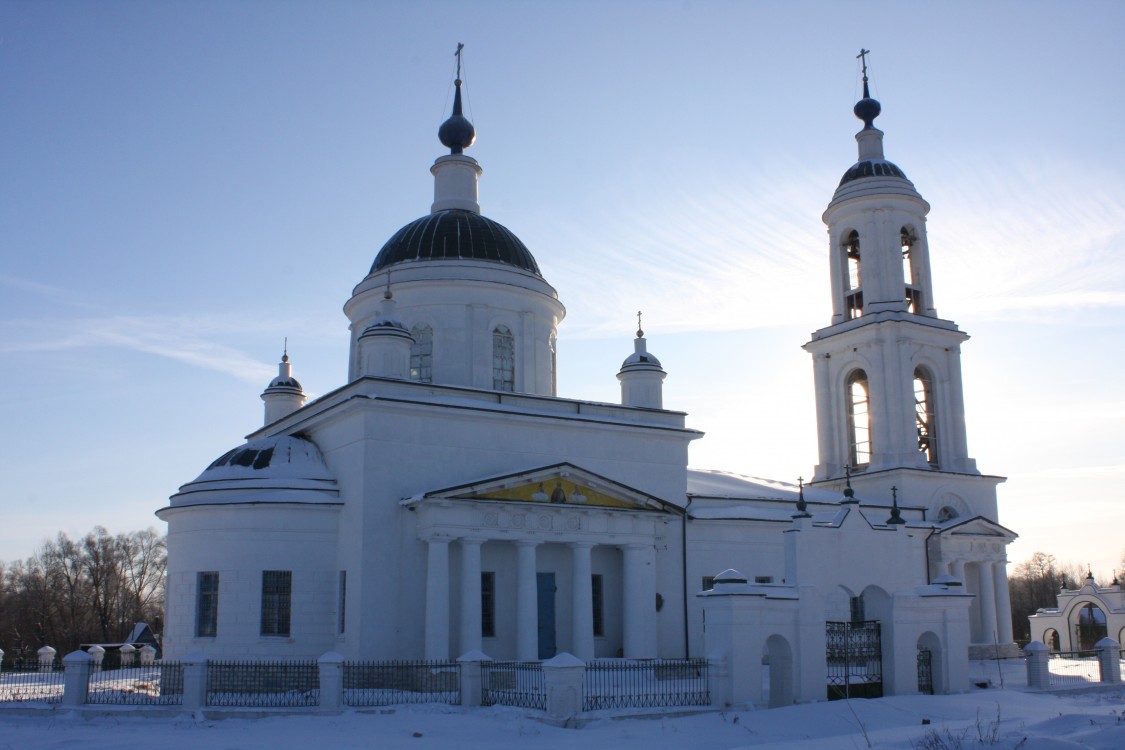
872	168
281	468
455	234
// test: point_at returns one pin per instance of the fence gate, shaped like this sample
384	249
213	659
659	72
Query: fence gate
855	659
925	672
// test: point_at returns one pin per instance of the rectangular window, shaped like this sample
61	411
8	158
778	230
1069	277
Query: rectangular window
488	604
343	603
763	579
596	588
277	596
708	583
857	609
206	604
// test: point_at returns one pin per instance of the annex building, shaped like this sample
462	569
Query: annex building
445	499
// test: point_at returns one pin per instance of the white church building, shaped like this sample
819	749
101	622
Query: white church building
446	499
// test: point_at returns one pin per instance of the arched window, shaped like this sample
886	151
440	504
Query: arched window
503	359
947	513
859	419
1091	626
853	297
422	354
913	291
1051	638
924	416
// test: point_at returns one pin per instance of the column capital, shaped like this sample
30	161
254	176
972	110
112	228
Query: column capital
582	545
474	540
527	542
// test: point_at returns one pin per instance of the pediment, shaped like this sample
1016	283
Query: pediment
562	484
976	526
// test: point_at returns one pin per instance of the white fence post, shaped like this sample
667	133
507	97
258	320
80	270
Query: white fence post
1109	659
46	658
128	654
1	660
563	678
471	677
1038	673
195	681
148	654
331	666
76	681
719	680
97	653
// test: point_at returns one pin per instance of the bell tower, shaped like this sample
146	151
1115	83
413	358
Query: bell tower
887	369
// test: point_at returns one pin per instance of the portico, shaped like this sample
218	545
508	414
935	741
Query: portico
570	568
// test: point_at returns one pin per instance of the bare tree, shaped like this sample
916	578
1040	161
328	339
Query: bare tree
87	591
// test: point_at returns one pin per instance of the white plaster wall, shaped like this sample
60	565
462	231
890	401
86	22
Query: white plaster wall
463	301
239	542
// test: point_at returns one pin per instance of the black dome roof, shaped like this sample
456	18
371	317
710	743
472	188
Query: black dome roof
455	234
871	169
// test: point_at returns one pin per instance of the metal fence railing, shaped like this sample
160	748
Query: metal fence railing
655	683
263	683
1073	668
513	683
387	683
157	684
31	682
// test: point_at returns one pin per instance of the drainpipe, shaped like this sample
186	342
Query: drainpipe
683	576
927	547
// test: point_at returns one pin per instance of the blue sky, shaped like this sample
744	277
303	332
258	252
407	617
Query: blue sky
182	185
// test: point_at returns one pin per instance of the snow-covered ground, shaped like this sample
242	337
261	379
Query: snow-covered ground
1077	719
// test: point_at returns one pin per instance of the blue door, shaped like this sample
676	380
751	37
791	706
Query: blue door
545	584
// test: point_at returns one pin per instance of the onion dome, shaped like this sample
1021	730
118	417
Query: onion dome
457	133
282	468
455	234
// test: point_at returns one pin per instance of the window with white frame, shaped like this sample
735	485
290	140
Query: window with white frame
277	601
853	292
924	416
422	354
206	604
859	419
503	359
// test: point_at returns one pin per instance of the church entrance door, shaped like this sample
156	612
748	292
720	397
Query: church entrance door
545	583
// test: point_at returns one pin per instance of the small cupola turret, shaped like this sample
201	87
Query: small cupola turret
284	394
641	376
384	345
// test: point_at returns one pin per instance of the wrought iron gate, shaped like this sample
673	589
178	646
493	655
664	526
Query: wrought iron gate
855	659
925	672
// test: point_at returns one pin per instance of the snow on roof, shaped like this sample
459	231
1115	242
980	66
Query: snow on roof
715	483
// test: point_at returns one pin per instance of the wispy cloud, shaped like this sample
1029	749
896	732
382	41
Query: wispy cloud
180	338
1007	241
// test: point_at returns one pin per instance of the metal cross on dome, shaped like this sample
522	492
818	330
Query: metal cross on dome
863	53
457	54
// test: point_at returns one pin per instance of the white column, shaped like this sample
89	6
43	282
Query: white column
987	596
639	615
1003	603
437	599
470	595
527	604
957	570
582	604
